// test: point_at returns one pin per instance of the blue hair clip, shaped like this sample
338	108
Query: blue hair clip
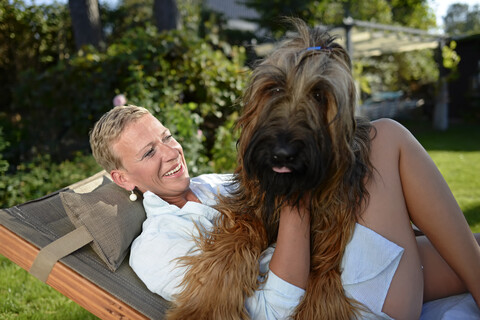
314	48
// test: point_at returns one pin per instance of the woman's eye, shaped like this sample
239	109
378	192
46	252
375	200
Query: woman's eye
149	153
167	138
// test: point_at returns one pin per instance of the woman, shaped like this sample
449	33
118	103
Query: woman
140	153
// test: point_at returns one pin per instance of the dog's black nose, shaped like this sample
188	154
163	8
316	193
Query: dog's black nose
283	155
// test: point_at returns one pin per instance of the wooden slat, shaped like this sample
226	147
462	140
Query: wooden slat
67	281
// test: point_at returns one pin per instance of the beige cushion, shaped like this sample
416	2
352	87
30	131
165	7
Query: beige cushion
109	216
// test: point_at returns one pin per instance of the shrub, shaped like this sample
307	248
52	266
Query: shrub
42	176
3	145
186	82
32	37
224	151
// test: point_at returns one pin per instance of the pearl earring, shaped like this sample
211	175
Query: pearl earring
133	196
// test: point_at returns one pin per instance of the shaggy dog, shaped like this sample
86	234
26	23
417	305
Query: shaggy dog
298	136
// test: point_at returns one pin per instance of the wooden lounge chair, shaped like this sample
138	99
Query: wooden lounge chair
104	283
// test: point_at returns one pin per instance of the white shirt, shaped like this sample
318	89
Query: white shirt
167	234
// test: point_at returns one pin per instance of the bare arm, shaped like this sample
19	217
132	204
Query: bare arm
291	259
406	186
429	204
433	208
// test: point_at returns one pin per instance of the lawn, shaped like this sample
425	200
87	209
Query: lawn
456	152
23	297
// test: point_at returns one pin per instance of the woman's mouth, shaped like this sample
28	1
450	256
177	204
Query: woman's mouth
174	170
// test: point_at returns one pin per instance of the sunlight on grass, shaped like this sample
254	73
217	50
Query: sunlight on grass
461	170
456	152
23	297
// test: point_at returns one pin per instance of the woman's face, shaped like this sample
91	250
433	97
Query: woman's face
152	159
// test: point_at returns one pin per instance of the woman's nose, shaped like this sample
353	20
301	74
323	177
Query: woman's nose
168	153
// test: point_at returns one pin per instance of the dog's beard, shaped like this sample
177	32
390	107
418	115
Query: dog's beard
287	165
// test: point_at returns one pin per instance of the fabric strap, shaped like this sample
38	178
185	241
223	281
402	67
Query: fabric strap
50	254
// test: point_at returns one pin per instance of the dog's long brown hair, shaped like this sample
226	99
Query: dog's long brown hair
306	84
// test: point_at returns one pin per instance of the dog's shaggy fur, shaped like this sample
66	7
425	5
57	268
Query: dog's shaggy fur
298	119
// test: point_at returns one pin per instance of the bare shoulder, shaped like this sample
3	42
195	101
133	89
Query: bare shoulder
388	134
391	130
385	126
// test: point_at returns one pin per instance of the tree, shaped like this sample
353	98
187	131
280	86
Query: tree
412	13
270	11
462	19
32	38
166	14
87	27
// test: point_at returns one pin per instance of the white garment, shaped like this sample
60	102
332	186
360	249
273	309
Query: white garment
460	307
368	265
167	234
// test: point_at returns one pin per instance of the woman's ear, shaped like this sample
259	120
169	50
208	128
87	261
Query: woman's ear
121	180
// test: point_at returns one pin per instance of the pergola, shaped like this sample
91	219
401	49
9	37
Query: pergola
364	39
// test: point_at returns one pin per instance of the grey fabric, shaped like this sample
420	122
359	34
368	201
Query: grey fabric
109	216
44	220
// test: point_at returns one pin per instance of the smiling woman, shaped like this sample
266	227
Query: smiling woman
140	153
152	160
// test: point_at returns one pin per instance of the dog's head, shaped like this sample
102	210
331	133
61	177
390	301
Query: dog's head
298	119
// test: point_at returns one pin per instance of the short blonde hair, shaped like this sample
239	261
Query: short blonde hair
107	131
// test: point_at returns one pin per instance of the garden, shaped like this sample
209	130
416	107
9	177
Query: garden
191	78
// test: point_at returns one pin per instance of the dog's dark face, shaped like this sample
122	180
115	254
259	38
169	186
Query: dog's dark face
287	156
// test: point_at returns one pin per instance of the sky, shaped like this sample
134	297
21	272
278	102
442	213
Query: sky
439	6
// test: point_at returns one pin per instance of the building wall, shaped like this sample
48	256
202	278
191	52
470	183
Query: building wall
464	92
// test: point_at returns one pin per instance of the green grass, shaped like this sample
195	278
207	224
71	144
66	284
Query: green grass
23	297
456	152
